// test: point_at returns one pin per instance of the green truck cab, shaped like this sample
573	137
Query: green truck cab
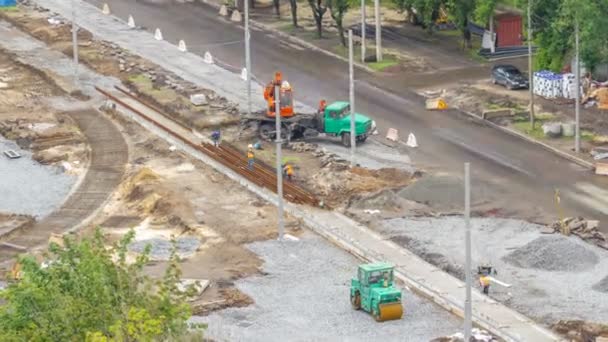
373	291
336	121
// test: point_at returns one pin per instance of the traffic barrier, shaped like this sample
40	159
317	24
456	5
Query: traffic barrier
436	104
236	16
392	134
411	141
182	46
131	22
106	9
158	35
208	58
223	11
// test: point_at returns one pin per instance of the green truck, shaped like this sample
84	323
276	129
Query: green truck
332	120
373	291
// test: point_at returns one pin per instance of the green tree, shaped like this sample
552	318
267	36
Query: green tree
461	12
338	9
318	7
91	293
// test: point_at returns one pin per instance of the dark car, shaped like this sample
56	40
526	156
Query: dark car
509	76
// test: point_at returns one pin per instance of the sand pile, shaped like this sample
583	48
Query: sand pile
553	253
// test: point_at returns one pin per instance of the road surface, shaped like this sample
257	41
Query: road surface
515	175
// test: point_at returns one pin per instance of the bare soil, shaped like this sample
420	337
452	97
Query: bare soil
27	118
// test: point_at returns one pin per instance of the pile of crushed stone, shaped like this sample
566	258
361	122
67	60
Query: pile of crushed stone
553	253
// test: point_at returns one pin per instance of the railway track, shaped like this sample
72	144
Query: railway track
262	174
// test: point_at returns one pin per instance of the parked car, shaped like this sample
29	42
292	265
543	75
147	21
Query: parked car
509	76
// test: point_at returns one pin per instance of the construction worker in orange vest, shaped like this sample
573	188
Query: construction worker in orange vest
288	171
250	157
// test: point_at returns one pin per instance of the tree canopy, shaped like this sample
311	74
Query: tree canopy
88	292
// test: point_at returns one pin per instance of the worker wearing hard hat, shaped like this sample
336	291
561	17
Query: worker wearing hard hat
288	171
250	157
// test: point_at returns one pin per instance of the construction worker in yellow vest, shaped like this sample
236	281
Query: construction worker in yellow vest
288	171
484	282
250	157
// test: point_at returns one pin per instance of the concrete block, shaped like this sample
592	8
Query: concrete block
106	9
11	154
198	99
182	46
392	134
496	113
236	16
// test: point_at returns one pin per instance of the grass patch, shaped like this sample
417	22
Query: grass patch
449	33
9	9
388	61
544	116
524	127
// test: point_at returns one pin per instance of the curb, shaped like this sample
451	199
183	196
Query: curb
565	155
295	39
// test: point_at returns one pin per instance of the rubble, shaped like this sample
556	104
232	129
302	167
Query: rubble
584	229
477	335
581	331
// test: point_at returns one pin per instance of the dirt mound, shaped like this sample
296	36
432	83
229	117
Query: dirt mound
602	285
553	253
146	195
339	185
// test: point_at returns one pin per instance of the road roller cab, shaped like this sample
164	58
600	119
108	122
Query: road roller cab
373	291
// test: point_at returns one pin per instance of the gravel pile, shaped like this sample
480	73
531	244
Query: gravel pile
602	285
161	248
553	253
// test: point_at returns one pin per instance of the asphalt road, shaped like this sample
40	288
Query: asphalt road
515	175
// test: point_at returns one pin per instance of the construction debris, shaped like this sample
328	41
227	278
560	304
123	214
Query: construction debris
585	229
581	331
477	335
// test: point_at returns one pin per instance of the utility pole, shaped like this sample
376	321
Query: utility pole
279	141
75	44
363	31
468	312
530	67
577	73
351	86
248	56
378	31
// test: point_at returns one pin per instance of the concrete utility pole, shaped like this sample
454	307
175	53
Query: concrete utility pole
468	312
279	141
577	73
530	67
75	44
351	91
378	31
248	57
363	31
